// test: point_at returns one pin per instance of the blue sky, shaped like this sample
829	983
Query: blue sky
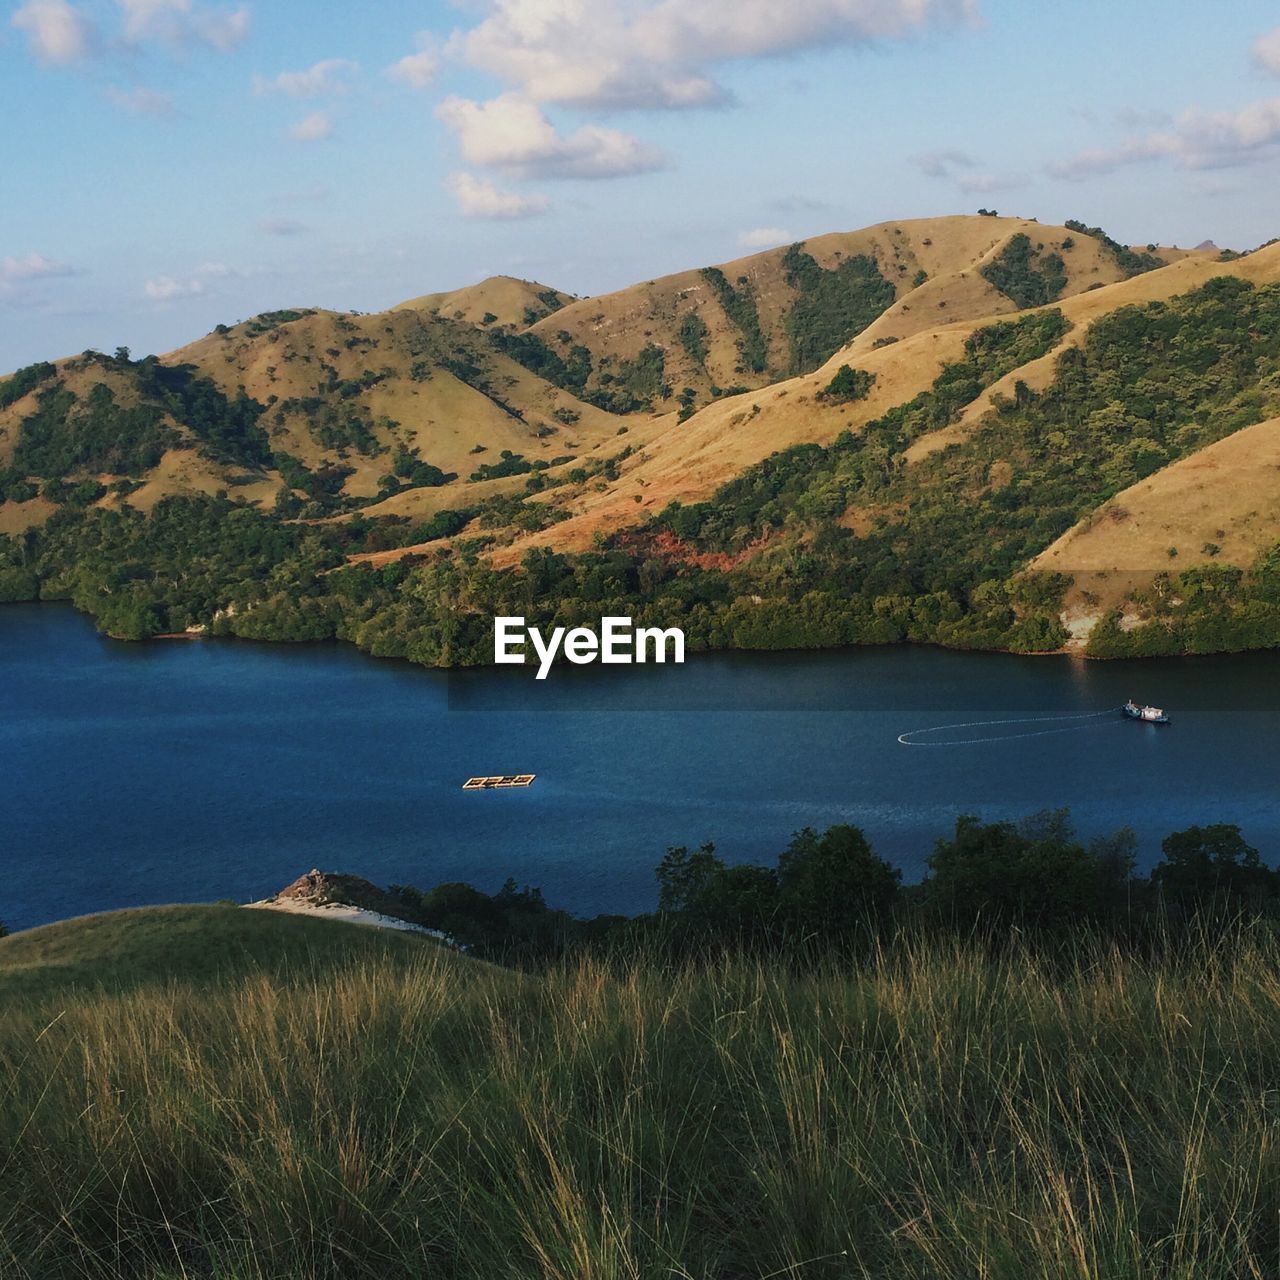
171	164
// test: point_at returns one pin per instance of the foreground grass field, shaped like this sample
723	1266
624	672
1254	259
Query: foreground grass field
382	1108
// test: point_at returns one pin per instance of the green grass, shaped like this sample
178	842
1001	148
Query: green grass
202	945
928	1112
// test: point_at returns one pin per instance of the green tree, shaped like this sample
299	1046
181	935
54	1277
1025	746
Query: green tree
1212	865
834	880
848	384
711	900
1032	873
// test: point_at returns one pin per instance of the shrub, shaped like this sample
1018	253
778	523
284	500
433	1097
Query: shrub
847	385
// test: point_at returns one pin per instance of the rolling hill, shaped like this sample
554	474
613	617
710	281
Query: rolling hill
507	420
196	946
499	300
752	321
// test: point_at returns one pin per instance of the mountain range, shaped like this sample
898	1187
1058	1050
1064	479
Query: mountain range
976	430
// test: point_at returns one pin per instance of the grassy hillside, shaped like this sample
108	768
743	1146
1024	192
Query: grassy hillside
689	461
316	412
1219	506
926	1111
196	946
747	323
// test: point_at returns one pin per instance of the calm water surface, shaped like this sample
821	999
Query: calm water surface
190	771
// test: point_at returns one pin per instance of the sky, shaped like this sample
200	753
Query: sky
168	165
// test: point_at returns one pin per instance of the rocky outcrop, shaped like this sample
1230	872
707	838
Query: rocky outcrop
332	896
327	888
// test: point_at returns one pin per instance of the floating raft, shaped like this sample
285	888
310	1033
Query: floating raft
499	782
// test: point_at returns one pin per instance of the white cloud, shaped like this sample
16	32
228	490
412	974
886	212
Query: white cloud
59	34
167	289
140	101
170	289
417	70
479	198
146	18
1266	52
943	164
325	77
1198	140
223	31
181	22
765	238
511	134
282	226
56	33
1095	161
960	166
313	128
33	266
658	53
799	204
303	195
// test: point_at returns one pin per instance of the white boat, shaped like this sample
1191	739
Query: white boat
1148	715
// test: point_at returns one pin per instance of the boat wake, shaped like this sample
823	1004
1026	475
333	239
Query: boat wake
912	736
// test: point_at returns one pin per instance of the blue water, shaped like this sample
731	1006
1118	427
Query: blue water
195	770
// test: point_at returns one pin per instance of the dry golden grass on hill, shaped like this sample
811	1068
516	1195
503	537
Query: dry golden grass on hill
1190	271
17	517
77	380
504	298
1219	506
181	470
688	461
949	250
432	410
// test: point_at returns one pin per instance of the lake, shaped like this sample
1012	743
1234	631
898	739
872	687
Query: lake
186	771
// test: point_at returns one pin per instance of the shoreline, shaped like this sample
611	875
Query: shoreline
1072	651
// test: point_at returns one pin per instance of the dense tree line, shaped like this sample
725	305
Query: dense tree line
693	333
67	433
1033	877
1208	609
848	384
